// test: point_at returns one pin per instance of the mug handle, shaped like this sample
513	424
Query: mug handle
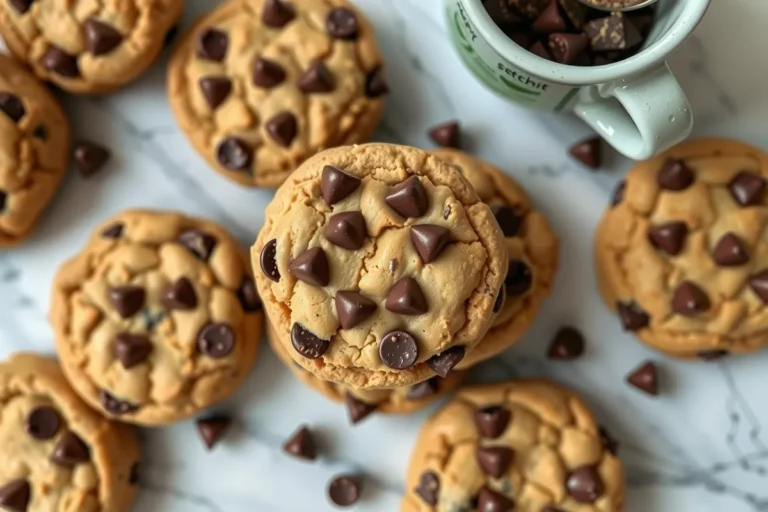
640	115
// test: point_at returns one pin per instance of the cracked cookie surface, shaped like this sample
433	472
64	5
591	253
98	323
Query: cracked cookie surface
532	249
522	446
259	86
59	454
380	264
157	318
682	254
34	150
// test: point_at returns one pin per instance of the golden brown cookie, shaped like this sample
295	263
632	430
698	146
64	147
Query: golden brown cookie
157	318
682	254
259	86
522	446
380	264
34	150
532	249
86	46
59	454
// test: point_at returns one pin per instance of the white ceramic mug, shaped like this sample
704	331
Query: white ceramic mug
636	105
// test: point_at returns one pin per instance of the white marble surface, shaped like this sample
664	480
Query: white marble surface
699	447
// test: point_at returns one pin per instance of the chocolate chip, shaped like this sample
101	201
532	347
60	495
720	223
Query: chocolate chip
446	135
712	355
40	132
747	189
550	20
234	154
311	266
283	128
171	35
423	390
376	84
42	422
216	340
759	284
90	158
3	200
588	152
248	296
180	295
509	220
337	185
133	478
115	406
494	460
618	194
567	48
540	50
353	308
58	61
500	299
519	278
306	343
113	231
212	45
428	488
405	297
489	500
584	484
398	350
70	451
267	73
100	38
409	198
632	316
11	106
301	444
689	299
317	78
730	251
346	230
127	300
669	237
492	421
212	429
608	441
645	378
22	6
268	260
277	14
613	32
201	244
131	349
15	496
675	175
357	410
341	23
567	345
444	362
429	240
344	490
215	89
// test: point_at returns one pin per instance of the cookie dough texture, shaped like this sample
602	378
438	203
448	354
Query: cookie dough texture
532	249
682	254
527	446
34	150
157	318
444	304
87	46
65	455
259	86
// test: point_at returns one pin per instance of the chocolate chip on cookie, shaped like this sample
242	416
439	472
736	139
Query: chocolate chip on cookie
70	451
100	37
444	362
494	460
406	298
15	495
346	230
398	350
306	343
43	422
409	198
492	421
669	237
131	349
584	484
428	488
353	308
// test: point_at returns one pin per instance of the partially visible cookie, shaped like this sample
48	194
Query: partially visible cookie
259	86
59	454
522	446
85	46
532	249
34	150
682	253
157	318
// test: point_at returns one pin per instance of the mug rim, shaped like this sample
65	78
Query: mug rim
692	14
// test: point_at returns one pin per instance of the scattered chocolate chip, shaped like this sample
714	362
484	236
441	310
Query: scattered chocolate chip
133	478
267	73
212	429
301	444
446	135
645	378
494	460
113	231
283	128
70	451
398	350
500	299
689	299
342	23
492	421
277	14
15	496
669	237
216	340
316	79
180	295
212	45
567	345
353	308
199	243
311	266
344	490
306	343
215	89
90	158
609	442
268	261
540	50
618	194
429	487
127	300
423	390
357	410
248	296
346	230
567	48
588	152
759	284
234	154
509	220
337	185
40	132
405	297
114	406
100	38
409	198
58	61
489	500
22	6
730	251
42	422
747	189
519	278
444	362
584	484
376	84
550	20
612	32
12	106
429	240
675	175
632	316
712	355
131	349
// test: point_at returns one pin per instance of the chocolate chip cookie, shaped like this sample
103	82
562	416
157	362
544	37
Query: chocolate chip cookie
522	446
682	253
34	150
380	264
87	47
59	454
157	318
532	249
260	86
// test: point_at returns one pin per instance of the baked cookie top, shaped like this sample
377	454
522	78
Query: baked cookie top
34	150
532	249
522	446
157	317
683	251
380	264
86	46
58	454
261	85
